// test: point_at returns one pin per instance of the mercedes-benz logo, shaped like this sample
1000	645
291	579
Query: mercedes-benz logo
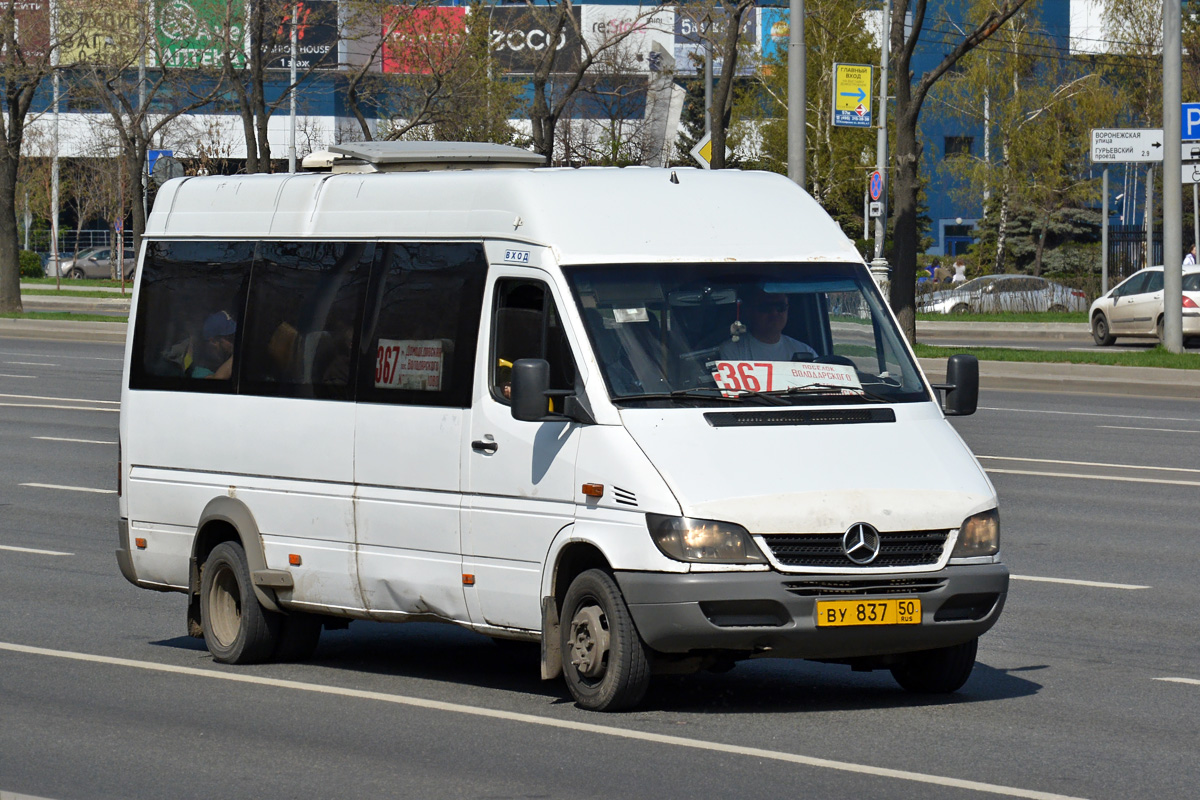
861	543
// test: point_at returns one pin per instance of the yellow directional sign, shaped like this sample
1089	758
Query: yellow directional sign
852	95
702	152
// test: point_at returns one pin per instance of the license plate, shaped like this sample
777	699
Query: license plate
833	613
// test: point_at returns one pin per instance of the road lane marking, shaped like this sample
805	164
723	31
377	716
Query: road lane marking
5	375
1085	414
30	364
547	722
60	408
1189	681
1155	430
69	488
1090	477
1089	464
61	399
1073	582
62	356
33	550
14	796
76	441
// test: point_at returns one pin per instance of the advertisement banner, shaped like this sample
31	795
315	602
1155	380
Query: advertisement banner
110	34
773	31
520	37
640	26
196	33
422	41
31	18
316	36
689	44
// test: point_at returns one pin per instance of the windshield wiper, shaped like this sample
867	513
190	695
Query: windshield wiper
829	388
706	394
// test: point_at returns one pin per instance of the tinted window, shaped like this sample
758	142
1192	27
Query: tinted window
303	316
1133	285
1154	283
1191	282
189	315
527	324
423	325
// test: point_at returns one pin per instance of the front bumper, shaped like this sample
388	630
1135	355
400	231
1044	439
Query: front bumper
769	613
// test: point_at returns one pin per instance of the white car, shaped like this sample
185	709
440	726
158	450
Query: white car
1134	307
993	293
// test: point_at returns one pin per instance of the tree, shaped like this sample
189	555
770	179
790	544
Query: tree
907	23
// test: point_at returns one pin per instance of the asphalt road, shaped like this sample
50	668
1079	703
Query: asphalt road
1089	686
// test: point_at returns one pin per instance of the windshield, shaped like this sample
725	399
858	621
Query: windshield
778	334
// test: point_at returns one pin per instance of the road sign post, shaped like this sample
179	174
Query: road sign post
852	95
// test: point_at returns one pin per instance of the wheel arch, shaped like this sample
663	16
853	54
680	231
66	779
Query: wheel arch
227	519
569	556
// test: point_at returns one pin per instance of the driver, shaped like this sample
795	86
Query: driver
766	315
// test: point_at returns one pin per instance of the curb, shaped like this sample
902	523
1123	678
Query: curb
1040	331
63	330
1079	378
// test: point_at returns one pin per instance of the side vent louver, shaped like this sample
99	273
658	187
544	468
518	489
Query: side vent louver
624	496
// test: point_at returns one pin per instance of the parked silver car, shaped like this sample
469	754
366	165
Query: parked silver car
995	293
95	262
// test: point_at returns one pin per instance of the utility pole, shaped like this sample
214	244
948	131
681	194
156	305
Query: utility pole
879	266
292	94
797	96
1172	325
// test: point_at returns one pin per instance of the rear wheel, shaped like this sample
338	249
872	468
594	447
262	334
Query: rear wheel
938	671
1158	331
961	308
237	629
1058	308
605	662
1100	331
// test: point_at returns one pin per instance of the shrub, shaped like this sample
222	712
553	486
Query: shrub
31	265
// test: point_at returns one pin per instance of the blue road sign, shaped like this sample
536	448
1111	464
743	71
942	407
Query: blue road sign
876	185
155	155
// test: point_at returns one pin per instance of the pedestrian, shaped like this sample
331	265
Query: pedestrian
960	271
1190	259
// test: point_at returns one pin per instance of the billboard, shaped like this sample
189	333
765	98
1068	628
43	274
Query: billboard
422	41
109	34
316	36
640	26
689	49
774	31
31	20
520	36
196	33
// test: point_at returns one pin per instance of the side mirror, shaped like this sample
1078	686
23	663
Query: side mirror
961	387
530	382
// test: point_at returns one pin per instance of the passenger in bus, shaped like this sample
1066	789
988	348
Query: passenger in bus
211	354
765	316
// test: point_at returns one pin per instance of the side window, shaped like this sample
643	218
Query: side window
303	316
189	315
1154	283
424	324
526	324
1134	285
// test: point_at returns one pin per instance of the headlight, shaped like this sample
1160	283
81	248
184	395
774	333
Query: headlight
979	535
703	540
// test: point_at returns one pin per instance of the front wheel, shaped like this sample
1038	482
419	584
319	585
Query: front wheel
1101	332
237	629
605	661
940	671
75	273
961	308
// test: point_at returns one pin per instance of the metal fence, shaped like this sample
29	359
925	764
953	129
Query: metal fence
72	241
1127	251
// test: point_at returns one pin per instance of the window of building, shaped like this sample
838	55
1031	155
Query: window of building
958	145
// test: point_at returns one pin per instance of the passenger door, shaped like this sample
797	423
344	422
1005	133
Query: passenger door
1145	307
414	392
1125	301
520	489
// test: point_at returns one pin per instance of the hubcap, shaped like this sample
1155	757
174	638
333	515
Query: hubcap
224	606
589	641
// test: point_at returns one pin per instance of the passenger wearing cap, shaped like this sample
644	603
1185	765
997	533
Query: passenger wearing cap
214	357
764	316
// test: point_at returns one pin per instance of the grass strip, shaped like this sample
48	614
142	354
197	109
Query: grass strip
1157	357
72	293
82	283
65	316
1009	316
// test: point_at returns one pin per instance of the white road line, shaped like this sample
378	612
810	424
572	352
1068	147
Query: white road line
533	719
60	408
14	796
1085	414
61	399
30	364
1089	464
4	375
1155	430
1072	582
62	356
69	488
1090	477
76	441
33	550
1189	681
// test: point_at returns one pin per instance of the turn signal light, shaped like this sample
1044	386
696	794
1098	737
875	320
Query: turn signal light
140	543
294	559
593	489
468	579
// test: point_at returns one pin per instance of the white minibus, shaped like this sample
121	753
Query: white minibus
658	420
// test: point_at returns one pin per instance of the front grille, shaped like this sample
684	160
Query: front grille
863	586
896	549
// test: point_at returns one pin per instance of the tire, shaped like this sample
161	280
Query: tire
1058	308
237	630
605	662
961	308
75	273
299	635
1158	331
940	671
1100	331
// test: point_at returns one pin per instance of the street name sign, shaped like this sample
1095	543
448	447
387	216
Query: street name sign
852	95
1125	145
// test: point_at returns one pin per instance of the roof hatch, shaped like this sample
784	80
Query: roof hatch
366	157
